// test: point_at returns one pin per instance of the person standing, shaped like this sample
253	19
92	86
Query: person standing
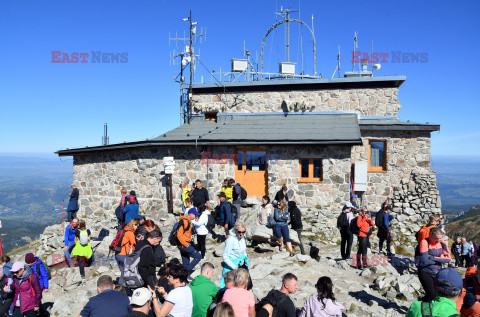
296	222
185	193
282	194
39	269
384	230
433	253
146	266
343	224
131	210
203	290
72	207
364	223
83	250
457	250
468	303
226	217
69	239
28	292
264	211
185	246
236	196
200	195
200	224
467	252
227	189
282	216
127	244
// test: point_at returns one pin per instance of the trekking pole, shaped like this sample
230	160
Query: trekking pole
63	215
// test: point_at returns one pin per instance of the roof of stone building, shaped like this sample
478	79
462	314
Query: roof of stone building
299	84
269	128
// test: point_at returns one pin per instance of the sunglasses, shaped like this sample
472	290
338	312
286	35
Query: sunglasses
240	231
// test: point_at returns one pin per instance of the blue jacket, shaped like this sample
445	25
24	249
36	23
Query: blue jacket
73	202
226	215
386	220
43	277
69	235
107	303
281	217
237	193
130	211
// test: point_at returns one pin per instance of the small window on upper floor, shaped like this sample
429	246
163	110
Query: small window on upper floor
211	116
310	170
377	156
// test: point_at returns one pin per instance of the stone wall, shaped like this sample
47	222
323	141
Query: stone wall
407	152
369	102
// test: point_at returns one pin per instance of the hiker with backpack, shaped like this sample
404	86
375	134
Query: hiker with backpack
241	299
131	210
227	188
468	303
121	205
40	269
433	253
264	211
235	252
382	221
324	303
69	239
296	222
123	244
456	249
449	285
424	232
343	224
28	292
184	237
83	250
200	225
364	223
226	216
278	302
282	217
199	195
238	195
139	267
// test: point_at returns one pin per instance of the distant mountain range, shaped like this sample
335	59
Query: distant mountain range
466	225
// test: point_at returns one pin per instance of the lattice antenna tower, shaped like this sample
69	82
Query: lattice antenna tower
187	58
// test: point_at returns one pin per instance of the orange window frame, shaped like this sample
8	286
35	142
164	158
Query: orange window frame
310	178
379	169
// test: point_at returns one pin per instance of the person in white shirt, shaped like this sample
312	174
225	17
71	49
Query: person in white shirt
200	224
179	302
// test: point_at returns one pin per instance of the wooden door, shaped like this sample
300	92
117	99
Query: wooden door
251	171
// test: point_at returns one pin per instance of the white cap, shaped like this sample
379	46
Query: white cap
140	296
349	205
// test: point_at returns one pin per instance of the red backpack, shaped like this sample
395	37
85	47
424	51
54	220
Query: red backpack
116	244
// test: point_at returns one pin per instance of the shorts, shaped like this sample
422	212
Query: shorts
280	231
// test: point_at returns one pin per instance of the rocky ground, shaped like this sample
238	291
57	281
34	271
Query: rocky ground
386	289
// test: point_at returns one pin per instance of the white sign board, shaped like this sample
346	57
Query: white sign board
360	178
168	164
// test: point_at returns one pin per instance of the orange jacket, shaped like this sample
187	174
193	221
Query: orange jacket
364	224
128	241
473	310
184	236
424	232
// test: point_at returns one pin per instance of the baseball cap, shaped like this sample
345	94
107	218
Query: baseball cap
141	296
349	205
30	258
449	275
17	266
194	211
222	194
131	198
354	196
139	217
388	207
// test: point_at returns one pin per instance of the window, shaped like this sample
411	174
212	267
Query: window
310	170
377	156
211	116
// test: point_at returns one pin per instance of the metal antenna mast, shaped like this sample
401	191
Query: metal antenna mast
355	46
105	138
188	58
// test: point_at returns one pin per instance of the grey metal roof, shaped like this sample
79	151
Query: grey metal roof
268	129
295	84
394	124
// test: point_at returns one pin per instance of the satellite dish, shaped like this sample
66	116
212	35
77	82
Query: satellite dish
377	66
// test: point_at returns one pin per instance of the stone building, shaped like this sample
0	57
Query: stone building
320	137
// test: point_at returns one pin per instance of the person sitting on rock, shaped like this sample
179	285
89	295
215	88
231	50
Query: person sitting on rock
69	239
449	284
108	302
241	299
264	211
131	210
281	231
224	310
203	290
142	301
433	253
229	279
468	303
38	267
179	301
235	252
278	302
323	304
28	292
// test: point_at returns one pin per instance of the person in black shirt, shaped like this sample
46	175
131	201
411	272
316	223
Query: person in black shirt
296	222
282	194
278	301
146	266
200	195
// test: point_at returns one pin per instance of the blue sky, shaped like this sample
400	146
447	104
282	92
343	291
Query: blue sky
50	106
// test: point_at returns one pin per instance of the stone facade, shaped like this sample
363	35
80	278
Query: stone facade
368	102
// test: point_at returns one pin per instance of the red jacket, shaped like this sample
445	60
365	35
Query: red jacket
364	224
29	290
473	310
